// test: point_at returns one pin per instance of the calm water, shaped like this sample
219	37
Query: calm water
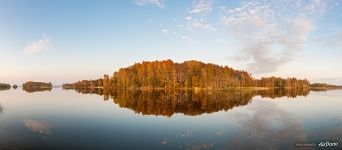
65	119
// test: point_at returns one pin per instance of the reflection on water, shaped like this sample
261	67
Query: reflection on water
4	88
244	119
191	103
264	124
40	127
37	89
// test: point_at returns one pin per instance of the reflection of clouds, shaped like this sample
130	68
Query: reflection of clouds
201	146
189	133
265	125
192	144
221	132
40	127
164	141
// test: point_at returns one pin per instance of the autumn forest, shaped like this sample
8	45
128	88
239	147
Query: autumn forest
191	74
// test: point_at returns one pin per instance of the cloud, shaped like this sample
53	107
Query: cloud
165	32
201	7
197	15
37	46
199	24
222	41
271	34
187	39
159	3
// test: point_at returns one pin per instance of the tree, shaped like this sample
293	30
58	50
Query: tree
106	82
167	74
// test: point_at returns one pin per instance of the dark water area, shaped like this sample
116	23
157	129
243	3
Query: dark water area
125	119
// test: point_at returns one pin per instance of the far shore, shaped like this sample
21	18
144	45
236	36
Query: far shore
195	88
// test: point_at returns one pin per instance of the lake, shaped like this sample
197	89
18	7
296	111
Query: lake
122	119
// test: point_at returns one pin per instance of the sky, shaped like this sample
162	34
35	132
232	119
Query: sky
65	41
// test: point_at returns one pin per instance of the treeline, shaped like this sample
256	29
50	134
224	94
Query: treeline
276	82
323	86
189	74
32	86
167	74
4	86
84	84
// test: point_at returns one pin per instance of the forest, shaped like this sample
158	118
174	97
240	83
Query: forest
32	86
4	86
324	86
191	74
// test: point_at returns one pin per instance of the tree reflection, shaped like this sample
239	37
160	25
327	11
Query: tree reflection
4	88
278	93
167	103
37	89
188	102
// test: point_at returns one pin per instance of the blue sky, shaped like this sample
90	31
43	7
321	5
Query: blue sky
64	41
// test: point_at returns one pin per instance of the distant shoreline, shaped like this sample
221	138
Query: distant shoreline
194	89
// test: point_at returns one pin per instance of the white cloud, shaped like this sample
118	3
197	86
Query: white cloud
165	32
197	15
187	39
37	46
271	34
222	41
159	3
201	7
199	24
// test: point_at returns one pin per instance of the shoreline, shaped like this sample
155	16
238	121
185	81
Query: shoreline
193	89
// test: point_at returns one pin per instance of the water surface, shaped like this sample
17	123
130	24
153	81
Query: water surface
96	119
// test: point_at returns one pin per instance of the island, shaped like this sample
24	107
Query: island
323	87
4	86
192	74
32	86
